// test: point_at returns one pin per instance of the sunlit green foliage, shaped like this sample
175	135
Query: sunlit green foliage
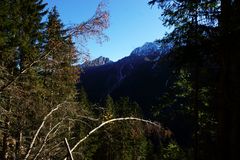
173	152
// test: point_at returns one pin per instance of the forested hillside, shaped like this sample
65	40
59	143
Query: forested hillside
175	101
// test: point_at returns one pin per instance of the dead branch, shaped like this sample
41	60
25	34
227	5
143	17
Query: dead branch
68	148
78	120
40	127
94	26
53	148
89	118
45	139
110	121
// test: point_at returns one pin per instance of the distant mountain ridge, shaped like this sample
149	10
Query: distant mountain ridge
150	48
147	49
142	75
96	62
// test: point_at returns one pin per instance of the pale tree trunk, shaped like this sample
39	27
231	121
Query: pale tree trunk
5	139
9	143
20	147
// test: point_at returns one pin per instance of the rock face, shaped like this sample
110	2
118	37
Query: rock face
96	62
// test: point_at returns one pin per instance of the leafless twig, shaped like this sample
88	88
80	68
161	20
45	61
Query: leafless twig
45	139
40	127
89	118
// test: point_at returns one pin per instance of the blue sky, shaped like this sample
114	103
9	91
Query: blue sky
132	23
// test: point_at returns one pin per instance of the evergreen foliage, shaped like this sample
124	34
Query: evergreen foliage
38	76
200	36
123	140
40	105
21	44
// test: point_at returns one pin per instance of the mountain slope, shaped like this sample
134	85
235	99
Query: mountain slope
140	76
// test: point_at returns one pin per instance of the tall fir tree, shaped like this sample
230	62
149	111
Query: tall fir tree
59	69
59	74
22	45
129	142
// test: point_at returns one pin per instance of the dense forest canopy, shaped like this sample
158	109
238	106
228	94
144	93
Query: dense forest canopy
46	114
220	39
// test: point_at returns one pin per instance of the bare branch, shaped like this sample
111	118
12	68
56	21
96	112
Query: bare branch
94	26
45	139
78	120
3	111
89	118
55	146
110	121
41	126
68	148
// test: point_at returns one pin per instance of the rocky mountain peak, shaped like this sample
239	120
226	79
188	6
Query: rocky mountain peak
96	62
150	48
147	49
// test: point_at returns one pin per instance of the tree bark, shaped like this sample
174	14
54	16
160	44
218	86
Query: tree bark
69	150
19	146
5	139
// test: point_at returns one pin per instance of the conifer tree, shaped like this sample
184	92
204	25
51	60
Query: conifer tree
60	73
20	46
194	23
83	100
109	108
228	83
37	77
128	139
7	28
105	137
83	126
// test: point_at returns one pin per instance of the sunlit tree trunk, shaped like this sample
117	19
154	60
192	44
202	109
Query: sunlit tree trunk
5	138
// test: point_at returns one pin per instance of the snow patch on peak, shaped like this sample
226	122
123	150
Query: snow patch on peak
152	48
147	49
96	62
